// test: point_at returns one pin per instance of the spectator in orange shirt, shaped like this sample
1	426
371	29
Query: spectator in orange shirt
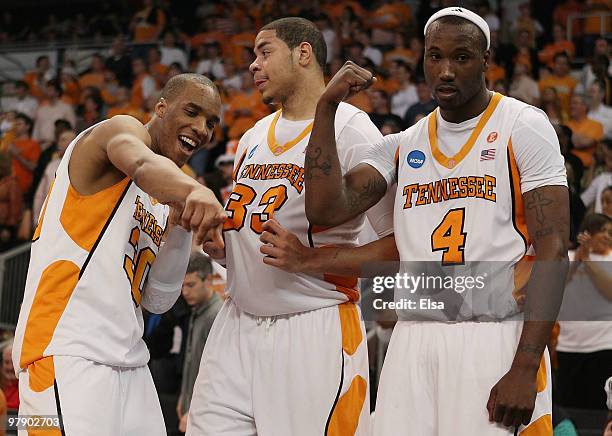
70	85
110	88
244	108
24	152
11	204
558	45
495	72
586	132
91	112
147	23
122	106
95	74
245	37
38	78
143	85
560	79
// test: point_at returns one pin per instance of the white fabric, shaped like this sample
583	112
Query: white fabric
534	142
100	320
592	194
463	13
603	114
275	291
588	314
213	67
403	99
493	217
168	271
437	377
27	106
96	400
170	55
275	376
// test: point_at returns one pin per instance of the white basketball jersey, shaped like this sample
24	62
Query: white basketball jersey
455	211
269	182
91	255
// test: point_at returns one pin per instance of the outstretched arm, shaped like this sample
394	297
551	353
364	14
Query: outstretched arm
119	147
332	199
285	251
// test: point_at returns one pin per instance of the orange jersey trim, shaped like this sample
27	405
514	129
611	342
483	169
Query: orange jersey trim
451	162
278	149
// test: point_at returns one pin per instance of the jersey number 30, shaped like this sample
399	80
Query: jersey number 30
242	196
449	237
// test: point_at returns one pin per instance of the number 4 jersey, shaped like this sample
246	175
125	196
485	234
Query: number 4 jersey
269	182
460	185
90	258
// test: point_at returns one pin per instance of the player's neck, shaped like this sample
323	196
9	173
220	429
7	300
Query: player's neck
151	127
472	108
302	103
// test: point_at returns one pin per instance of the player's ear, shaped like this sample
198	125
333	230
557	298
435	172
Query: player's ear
485	57
305	54
161	107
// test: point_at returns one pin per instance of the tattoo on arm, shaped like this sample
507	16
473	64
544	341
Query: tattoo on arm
314	162
537	201
375	187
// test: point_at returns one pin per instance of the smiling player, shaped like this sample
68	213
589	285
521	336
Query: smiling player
98	256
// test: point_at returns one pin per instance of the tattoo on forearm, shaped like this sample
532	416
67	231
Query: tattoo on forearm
314	162
375	187
537	201
544	232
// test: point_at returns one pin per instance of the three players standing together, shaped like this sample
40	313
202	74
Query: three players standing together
287	353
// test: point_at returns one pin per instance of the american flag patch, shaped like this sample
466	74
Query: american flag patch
488	154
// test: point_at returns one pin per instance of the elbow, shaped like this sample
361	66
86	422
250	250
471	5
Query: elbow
320	216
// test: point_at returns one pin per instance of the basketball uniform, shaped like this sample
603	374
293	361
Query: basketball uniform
459	203
287	353
78	345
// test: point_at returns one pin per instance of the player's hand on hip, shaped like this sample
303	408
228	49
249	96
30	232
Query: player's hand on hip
202	212
282	248
348	81
512	399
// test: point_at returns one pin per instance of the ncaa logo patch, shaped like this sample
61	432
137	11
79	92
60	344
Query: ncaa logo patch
416	158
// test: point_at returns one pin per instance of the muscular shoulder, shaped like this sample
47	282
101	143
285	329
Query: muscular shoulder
118	125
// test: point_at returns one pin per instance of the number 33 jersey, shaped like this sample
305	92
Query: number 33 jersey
90	258
269	183
460	185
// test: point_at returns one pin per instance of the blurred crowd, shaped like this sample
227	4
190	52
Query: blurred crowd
532	59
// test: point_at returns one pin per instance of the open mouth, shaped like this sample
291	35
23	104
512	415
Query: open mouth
187	144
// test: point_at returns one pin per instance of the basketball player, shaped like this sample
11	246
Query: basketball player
98	256
287	353
481	178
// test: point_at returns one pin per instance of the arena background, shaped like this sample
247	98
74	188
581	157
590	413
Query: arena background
69	64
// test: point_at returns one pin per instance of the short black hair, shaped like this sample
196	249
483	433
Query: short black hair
26	119
62	124
55	83
199	263
459	21
594	223
177	83
295	30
